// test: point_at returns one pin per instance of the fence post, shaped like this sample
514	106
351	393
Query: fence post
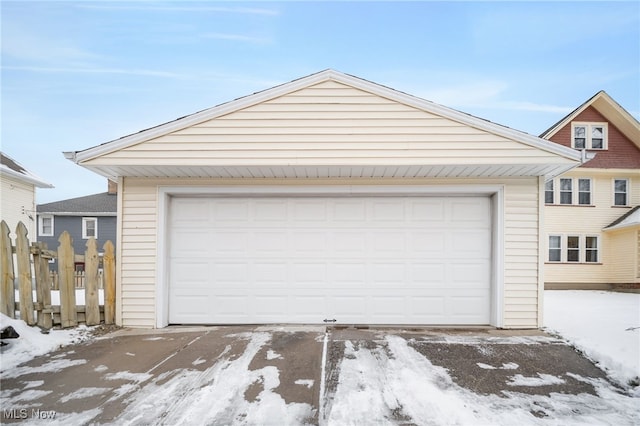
43	285
23	255
7	290
66	273
109	265
92	308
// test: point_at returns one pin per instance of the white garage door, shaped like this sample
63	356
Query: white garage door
354	260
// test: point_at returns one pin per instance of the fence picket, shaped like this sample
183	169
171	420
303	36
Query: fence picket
7	293
24	274
91	261
66	257
66	280
109	265
43	285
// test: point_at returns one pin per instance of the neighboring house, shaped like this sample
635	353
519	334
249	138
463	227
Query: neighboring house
592	224
83	217
18	195
329	199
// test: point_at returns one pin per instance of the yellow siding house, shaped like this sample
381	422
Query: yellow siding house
592	216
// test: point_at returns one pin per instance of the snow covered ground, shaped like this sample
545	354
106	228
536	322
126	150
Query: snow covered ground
605	326
33	342
386	385
378	384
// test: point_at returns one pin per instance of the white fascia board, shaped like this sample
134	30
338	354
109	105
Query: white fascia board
460	117
198	117
310	80
30	178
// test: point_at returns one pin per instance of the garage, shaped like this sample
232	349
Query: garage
329	259
329	199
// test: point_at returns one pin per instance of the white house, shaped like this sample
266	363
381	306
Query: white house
18	195
330	199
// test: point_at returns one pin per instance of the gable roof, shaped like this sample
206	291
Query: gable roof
563	158
610	109
10	167
103	204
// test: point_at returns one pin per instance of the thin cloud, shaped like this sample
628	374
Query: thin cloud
237	37
157	8
486	95
123	71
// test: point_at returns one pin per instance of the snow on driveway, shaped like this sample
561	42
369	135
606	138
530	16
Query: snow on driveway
604	325
216	395
392	384
386	382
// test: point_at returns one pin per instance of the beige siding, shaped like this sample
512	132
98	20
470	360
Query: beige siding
590	220
139	231
138	254
329	123
17	200
623	258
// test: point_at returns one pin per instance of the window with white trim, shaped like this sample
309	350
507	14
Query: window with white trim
548	192
584	191
574	248
621	192
555	248
45	225
591	249
566	191
589	136
89	227
577	191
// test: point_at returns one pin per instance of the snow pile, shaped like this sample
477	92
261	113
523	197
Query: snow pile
397	385
32	342
605	326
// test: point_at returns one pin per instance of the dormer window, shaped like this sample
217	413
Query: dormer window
589	136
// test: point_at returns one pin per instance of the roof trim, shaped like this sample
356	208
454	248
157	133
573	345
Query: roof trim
627	220
24	175
608	107
326	75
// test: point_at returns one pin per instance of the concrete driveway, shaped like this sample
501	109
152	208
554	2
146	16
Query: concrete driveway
274	375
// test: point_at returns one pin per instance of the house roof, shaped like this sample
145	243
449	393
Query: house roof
103	204
564	158
610	109
629	219
10	167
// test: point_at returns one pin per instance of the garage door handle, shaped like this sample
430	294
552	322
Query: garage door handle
330	320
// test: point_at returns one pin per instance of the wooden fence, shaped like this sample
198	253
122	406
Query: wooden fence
33	273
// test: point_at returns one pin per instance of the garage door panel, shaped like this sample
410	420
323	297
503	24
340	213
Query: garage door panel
397	260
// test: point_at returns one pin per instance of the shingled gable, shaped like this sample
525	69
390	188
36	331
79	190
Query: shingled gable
610	109
407	163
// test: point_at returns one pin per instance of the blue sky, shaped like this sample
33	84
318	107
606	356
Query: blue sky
77	74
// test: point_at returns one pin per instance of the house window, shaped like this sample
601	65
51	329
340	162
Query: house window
591	249
574	248
555	248
566	193
572	191
45	226
580	137
589	136
89	227
548	192
620	192
584	191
